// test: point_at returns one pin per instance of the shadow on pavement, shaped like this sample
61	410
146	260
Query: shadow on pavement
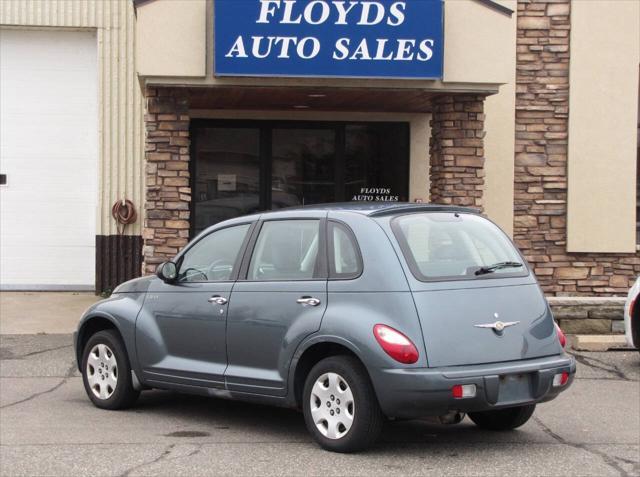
205	413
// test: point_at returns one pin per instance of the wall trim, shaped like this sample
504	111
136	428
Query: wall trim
496	6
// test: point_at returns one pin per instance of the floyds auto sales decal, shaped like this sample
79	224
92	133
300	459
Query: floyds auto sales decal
376	39
375	194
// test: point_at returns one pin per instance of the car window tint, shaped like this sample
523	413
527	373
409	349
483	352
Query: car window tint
213	257
448	245
345	257
285	250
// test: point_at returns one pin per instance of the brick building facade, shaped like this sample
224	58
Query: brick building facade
457	150
542	132
455	115
168	193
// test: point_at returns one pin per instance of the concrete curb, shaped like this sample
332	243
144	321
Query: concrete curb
598	342
589	315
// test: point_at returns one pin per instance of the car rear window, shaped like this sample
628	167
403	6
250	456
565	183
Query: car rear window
455	246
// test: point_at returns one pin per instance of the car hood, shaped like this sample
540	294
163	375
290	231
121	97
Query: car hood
137	285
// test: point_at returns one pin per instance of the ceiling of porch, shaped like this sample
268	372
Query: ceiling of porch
311	99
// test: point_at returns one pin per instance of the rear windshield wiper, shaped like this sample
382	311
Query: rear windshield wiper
497	266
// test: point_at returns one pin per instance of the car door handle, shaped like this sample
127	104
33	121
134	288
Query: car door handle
308	300
218	300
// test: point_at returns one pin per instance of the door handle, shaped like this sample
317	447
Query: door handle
308	300
218	300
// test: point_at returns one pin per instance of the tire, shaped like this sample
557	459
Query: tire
357	419
107	386
503	419
635	328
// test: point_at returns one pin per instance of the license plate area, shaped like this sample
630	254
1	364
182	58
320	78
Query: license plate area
514	388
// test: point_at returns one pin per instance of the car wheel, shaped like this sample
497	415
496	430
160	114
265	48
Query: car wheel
635	329
340	407
106	372
503	419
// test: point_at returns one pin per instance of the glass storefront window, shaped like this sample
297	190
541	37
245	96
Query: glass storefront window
302	171
241	167
227	175
376	161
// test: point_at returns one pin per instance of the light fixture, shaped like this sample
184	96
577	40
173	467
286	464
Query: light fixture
460	391
560	379
317	95
300	106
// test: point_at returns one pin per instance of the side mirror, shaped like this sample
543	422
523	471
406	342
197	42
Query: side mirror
167	272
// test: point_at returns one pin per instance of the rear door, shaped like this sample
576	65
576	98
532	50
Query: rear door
467	315
279	299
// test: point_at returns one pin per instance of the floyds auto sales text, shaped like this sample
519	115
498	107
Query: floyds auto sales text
318	12
375	194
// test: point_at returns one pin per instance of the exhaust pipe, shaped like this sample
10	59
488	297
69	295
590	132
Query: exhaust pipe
452	417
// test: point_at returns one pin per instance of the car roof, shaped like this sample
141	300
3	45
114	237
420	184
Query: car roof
377	209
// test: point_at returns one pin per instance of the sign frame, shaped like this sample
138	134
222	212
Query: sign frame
223	68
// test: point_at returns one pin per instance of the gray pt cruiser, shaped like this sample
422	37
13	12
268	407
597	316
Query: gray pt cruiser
351	312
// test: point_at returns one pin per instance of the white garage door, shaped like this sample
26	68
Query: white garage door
48	151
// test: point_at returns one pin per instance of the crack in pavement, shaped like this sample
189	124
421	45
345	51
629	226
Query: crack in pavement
608	460
22	356
66	377
607	368
164	456
6	354
195	451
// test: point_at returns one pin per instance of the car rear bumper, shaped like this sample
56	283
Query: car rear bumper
417	392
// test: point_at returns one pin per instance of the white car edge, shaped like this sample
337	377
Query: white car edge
632	312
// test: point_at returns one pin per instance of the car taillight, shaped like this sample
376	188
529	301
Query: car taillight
395	344
561	337
460	391
560	379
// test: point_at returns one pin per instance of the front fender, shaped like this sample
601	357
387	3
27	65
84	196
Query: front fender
121	311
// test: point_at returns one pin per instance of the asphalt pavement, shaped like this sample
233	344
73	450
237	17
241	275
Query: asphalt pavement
49	427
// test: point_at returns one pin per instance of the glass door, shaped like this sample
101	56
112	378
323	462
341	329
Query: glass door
302	166
226	176
376	165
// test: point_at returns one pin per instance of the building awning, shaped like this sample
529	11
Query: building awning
311	99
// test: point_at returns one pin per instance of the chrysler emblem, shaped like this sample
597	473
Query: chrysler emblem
497	326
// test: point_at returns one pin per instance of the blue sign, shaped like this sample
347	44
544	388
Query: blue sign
328	38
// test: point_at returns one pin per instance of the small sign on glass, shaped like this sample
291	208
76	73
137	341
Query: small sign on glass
226	182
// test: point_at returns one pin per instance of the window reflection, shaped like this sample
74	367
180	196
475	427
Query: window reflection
245	167
303	167
227	182
375	161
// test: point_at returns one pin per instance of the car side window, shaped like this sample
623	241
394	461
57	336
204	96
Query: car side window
344	255
213	257
285	250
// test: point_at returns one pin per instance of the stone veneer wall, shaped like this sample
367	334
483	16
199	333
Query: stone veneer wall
457	150
589	315
540	199
168	191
